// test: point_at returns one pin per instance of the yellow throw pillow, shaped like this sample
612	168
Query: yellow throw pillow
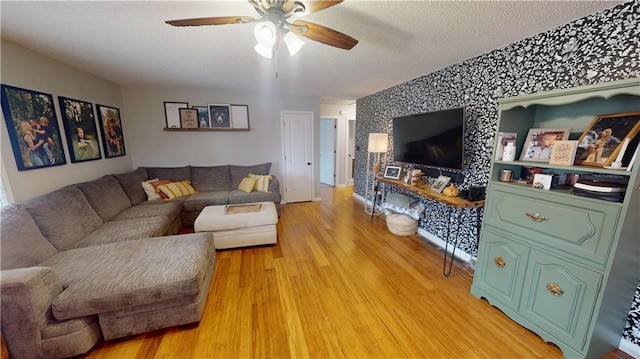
247	184
177	189
262	182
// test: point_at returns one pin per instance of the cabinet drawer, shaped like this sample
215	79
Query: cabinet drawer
579	228
560	297
501	268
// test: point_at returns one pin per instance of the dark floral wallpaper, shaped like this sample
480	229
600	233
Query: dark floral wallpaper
598	48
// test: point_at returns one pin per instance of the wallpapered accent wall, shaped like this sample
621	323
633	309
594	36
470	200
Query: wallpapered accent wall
598	48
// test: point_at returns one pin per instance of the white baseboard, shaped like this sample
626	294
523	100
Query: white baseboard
460	254
629	348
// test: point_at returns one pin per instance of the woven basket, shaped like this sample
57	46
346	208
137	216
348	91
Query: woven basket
401	224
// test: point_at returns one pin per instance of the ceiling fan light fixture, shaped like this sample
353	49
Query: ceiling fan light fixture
293	42
264	50
266	33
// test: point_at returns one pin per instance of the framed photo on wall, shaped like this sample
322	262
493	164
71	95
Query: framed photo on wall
172	113
539	142
601	142
80	129
111	128
220	116
32	128
203	116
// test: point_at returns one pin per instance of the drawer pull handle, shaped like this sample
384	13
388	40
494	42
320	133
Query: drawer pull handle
555	289
536	217
499	262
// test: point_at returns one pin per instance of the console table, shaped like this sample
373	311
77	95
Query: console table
455	205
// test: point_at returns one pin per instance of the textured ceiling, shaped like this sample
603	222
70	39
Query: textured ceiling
127	42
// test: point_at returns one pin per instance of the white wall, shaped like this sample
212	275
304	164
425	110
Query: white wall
152	146
341	113
24	68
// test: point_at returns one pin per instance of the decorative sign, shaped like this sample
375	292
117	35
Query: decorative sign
563	152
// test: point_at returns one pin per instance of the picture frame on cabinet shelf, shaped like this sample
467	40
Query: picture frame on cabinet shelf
172	113
25	110
203	116
80	129
563	152
392	172
539	143
602	141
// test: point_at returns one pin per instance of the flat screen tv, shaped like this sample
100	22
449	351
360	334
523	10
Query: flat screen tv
430	139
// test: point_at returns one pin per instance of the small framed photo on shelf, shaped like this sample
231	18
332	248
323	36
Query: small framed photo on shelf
392	172
542	181
603	141
220	116
440	183
203	116
503	139
539	142
240	117
563	153
188	118
172	113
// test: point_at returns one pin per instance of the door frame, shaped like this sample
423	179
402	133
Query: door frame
283	154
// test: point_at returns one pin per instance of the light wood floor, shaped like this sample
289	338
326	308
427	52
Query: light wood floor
336	286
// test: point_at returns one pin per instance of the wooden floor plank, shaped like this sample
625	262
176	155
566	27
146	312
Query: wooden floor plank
337	286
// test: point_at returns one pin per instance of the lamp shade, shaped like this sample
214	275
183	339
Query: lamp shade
378	142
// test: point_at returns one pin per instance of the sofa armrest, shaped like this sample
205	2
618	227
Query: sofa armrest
274	185
27	294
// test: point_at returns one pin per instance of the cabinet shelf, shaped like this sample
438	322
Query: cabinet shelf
563	168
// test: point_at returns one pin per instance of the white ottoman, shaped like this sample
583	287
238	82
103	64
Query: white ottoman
232	230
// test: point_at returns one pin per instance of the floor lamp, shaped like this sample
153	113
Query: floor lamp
377	144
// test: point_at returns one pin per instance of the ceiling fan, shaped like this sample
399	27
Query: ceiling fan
274	25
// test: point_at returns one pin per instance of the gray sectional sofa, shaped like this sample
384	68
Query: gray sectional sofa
98	260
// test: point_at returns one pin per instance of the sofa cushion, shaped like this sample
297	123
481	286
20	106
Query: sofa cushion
64	216
176	189
21	243
130	274
130	182
196	202
211	179
170	210
106	196
149	190
238	196
170	173
126	230
240	172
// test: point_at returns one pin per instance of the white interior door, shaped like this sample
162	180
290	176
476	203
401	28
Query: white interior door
298	153
328	151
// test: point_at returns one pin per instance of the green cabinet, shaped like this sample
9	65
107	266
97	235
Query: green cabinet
562	265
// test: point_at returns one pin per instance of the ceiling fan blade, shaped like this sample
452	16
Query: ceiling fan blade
220	20
315	6
323	34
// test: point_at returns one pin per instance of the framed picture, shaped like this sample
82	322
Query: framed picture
188	118
539	142
112	136
203	116
563	153
240	117
601	142
440	183
80	129
392	172
219	116
32	128
172	113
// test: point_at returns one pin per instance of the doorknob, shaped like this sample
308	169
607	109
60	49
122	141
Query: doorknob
308	163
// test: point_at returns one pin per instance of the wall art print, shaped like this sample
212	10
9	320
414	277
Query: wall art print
602	47
111	129
80	129
32	127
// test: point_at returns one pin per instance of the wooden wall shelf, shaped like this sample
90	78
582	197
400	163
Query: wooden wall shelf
177	129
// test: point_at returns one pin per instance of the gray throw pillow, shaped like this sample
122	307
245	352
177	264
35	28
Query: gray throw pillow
400	200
